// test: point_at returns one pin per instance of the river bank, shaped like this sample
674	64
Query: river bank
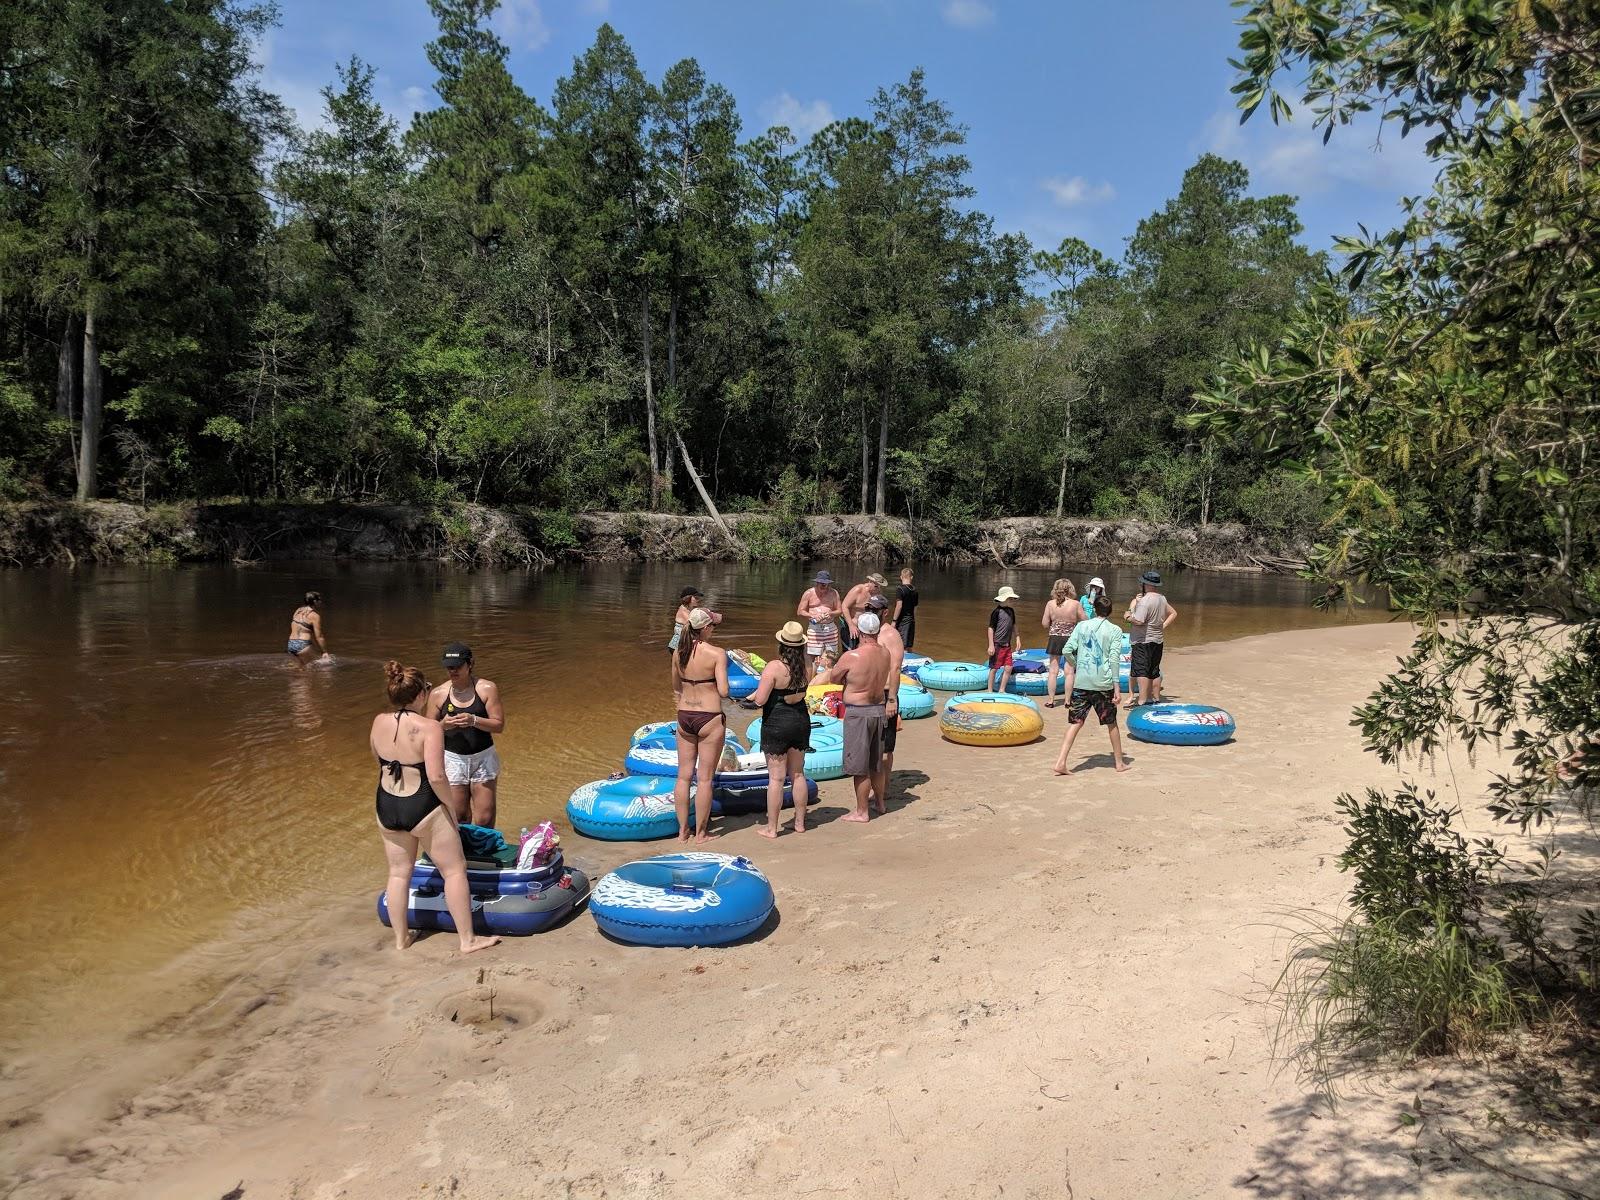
68	534
1050	987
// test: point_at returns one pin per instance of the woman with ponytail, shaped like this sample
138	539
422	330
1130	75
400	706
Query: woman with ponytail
411	812
699	684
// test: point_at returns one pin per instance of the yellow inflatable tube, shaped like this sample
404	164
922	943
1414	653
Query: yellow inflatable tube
988	724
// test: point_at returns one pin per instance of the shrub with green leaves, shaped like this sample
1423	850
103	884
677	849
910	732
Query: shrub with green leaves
1441	391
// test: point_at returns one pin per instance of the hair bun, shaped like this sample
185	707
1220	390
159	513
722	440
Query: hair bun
393	671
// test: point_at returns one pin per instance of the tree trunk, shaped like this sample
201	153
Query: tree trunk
866	460
69	370
672	383
705	496
89	448
883	454
1066	450
649	402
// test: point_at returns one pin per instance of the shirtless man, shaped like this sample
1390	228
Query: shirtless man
819	608
862	672
889	638
855	603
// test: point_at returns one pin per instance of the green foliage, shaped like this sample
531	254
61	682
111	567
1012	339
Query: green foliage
1440	390
1110	504
1282	501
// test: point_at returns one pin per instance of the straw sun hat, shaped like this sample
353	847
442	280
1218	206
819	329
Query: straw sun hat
791	635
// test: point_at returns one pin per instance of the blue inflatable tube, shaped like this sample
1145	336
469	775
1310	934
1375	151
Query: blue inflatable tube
692	898
537	907
1181	724
991	698
637	808
915	702
825	759
742	682
912	665
488	878
954	676
657	753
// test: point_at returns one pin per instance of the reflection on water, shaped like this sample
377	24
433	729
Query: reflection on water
164	766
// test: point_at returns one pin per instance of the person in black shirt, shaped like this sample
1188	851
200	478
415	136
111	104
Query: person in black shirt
905	609
1002	632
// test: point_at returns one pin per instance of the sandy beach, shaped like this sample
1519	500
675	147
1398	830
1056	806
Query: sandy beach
1012	985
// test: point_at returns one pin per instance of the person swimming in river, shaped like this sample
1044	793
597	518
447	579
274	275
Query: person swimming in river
306	640
470	711
411	812
699	685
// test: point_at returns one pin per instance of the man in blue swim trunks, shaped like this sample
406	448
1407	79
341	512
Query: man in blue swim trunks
1096	646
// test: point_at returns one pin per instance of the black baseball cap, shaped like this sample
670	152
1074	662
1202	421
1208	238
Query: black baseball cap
690	590
877	601
455	654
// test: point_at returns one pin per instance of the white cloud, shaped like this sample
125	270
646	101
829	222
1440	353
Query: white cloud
803	118
523	24
1291	156
968	14
1078	190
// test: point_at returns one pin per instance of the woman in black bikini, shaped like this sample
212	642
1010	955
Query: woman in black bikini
785	726
305	631
410	753
700	684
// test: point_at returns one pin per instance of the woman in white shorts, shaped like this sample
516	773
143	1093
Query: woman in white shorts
469	709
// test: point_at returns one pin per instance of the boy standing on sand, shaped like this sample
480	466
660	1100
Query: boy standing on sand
1096	644
905	608
1002	630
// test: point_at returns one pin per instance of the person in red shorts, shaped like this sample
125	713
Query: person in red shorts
1003	640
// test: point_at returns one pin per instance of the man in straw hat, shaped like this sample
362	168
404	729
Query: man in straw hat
855	603
1002	633
862	672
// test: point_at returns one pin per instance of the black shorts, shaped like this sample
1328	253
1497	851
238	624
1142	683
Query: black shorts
891	732
1145	661
908	630
1103	703
1054	645
787	727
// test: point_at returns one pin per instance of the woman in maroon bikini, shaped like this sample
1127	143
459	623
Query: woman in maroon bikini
700	684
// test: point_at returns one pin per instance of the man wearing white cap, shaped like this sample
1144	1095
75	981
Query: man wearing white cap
862	671
1002	629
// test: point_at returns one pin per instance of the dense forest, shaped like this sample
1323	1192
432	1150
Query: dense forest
588	303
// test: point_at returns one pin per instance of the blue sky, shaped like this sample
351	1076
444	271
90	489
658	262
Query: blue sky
1081	116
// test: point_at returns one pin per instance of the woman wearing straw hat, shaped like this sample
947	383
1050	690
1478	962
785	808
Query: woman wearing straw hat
785	726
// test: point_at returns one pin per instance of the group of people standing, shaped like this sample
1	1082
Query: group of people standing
855	640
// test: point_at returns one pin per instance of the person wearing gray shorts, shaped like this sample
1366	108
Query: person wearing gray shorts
862	672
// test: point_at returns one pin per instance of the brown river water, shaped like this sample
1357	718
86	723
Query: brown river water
178	796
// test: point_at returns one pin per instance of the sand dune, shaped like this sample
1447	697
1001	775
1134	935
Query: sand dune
1012	985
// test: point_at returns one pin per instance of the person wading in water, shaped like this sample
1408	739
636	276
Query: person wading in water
306	641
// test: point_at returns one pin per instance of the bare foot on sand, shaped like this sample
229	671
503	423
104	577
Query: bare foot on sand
855	816
1061	769
704	837
799	826
406	942
683	835
478	943
767	833
1124	768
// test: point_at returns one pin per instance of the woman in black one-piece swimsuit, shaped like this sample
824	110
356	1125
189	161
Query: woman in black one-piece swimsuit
785	726
410	753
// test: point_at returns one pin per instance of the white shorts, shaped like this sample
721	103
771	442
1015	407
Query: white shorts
462	769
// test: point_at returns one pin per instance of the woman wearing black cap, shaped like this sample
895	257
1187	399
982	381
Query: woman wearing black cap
689	599
469	709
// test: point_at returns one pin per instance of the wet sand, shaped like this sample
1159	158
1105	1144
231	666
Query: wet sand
1011	985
